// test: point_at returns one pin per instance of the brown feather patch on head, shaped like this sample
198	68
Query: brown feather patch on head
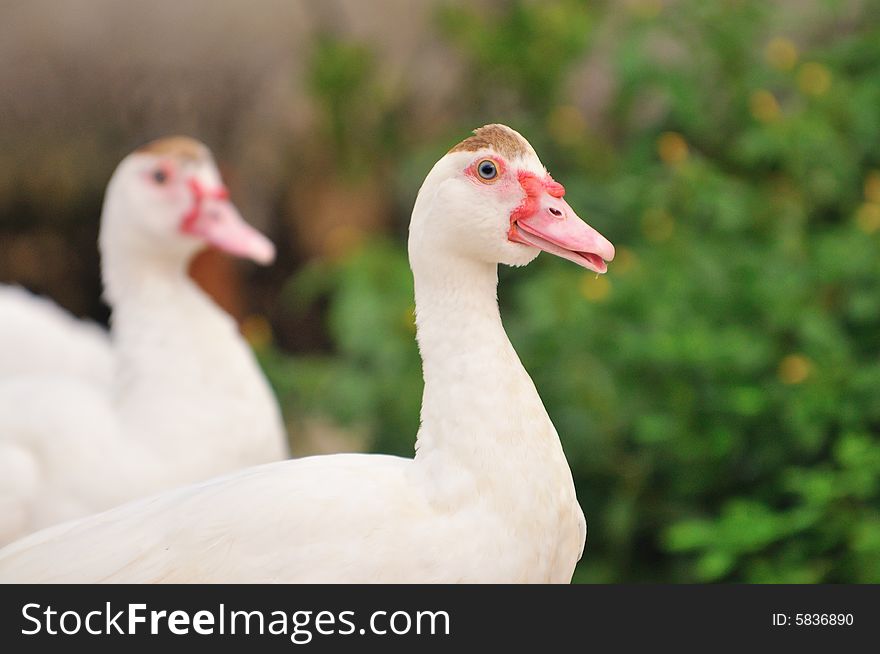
180	147
505	141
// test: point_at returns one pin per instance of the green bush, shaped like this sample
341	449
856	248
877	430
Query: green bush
718	392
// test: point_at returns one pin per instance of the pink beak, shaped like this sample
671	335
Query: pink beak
215	220
547	222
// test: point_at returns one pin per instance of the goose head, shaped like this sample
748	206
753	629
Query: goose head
166	199
490	198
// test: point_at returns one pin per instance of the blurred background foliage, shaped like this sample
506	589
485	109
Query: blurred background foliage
717	392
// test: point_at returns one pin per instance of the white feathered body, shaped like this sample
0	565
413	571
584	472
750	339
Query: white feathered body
184	399
488	498
38	337
187	402
343	518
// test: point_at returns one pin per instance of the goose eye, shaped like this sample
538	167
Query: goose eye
160	176
487	169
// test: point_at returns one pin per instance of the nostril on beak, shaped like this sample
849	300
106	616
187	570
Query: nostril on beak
556	212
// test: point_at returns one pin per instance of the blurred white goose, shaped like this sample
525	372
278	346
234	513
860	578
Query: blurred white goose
187	400
38	337
488	497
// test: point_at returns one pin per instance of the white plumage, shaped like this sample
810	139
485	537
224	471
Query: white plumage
38	337
179	396
488	497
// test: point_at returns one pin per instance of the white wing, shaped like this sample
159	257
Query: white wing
38	337
60	454
341	518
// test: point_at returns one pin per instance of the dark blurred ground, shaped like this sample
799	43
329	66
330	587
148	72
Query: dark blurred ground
86	82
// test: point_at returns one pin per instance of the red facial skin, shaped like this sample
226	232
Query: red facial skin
530	183
543	219
211	218
534	187
200	194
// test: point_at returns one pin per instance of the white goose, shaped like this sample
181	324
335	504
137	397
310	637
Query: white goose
38	337
188	400
488	497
